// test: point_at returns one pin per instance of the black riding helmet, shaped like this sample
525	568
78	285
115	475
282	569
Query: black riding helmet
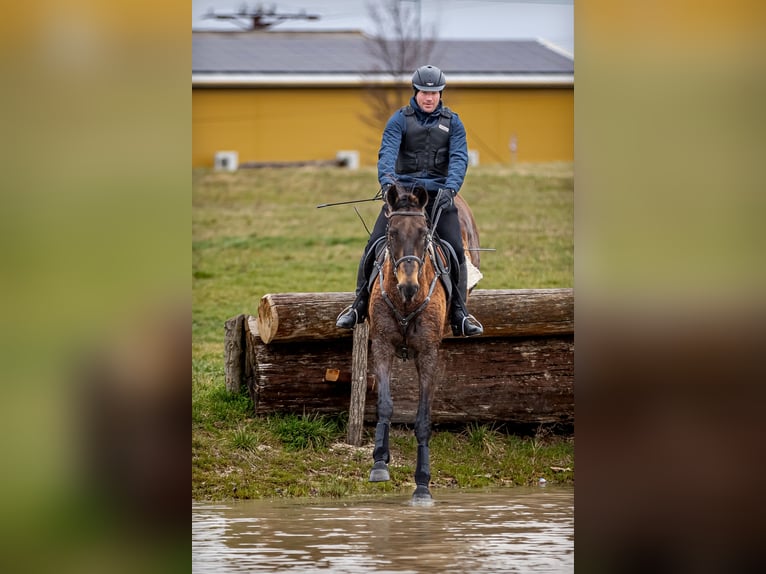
429	79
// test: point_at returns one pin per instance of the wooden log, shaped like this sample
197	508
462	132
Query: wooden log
234	353
293	377
358	384
252	339
523	312
503	312
529	380
504	380
301	316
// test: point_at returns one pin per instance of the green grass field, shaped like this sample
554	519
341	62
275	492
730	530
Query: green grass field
258	231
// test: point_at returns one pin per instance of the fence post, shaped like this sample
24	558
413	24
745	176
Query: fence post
234	353
358	384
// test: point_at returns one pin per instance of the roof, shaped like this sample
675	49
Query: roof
284	57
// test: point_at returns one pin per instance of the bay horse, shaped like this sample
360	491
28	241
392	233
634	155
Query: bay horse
408	312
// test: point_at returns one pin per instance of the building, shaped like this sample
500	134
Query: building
305	97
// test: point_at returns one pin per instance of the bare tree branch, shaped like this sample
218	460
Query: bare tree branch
398	46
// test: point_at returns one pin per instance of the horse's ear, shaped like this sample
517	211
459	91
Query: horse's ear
392	196
421	195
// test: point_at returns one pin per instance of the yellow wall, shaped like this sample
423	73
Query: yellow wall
298	124
542	121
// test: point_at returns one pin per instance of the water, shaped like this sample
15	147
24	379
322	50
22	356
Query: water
509	530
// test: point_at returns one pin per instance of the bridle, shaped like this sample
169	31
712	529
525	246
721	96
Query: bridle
404	321
420	260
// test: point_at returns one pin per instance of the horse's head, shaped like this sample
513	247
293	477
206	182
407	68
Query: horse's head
407	237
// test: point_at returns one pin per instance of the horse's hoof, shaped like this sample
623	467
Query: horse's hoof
379	472
422	492
422	496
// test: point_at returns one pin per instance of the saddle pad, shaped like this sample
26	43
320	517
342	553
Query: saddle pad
474	275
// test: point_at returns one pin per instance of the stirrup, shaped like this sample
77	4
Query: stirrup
459	330
345	312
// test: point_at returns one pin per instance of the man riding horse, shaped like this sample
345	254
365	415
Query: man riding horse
423	144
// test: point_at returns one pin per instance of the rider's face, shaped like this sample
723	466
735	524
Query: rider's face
427	100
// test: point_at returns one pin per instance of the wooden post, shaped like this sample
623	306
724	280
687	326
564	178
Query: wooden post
358	384
234	350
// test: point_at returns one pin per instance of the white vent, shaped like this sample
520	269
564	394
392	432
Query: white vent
350	158
226	161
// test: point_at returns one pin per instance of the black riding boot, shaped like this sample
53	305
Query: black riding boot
463	323
357	311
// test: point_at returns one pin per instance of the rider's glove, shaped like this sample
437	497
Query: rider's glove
445	198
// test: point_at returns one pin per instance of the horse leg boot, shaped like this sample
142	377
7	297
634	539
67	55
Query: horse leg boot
380	454
422	474
382	354
423	436
463	323
357	312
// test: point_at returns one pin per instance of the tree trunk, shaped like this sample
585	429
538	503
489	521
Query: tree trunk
523	312
301	316
503	312
527	380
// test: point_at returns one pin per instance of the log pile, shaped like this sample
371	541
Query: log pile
293	359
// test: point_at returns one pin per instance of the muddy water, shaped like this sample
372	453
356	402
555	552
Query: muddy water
508	530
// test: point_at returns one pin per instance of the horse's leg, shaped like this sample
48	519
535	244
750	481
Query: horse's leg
426	364
382	354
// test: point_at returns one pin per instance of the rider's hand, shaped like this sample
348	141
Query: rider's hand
445	198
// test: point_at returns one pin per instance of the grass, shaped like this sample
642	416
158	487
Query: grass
483	437
305	431
259	231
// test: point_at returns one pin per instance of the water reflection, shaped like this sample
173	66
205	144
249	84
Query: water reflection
509	530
